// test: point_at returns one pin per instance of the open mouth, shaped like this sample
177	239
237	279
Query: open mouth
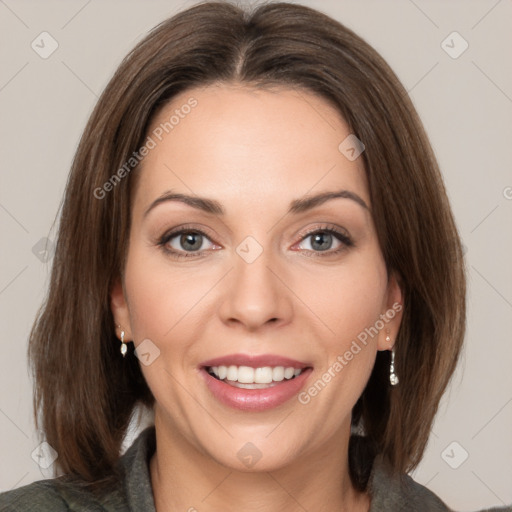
246	377
255	388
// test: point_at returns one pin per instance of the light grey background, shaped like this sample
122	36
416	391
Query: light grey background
466	106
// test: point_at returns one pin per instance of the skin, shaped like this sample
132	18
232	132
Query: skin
254	151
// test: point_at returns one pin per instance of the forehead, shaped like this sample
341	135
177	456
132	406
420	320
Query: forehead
244	145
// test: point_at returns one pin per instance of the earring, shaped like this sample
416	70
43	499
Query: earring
393	377
124	347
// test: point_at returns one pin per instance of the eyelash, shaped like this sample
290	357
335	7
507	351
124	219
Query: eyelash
339	235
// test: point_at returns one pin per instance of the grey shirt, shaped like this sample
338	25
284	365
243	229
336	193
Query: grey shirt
388	493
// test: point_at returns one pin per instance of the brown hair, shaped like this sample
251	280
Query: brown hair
85	391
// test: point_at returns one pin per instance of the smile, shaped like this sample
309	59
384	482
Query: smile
254	383
253	378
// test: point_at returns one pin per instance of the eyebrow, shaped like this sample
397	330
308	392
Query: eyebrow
296	206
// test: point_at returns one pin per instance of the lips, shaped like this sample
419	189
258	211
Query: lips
255	397
254	361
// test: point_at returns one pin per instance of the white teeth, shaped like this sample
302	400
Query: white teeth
248	375
288	373
222	372
278	373
245	375
262	375
232	373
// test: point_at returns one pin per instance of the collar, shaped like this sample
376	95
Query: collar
389	491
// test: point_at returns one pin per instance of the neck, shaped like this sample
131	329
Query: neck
184	478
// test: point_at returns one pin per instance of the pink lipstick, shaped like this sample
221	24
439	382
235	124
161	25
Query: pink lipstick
254	382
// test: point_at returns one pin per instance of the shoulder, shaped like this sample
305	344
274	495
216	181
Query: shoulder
129	490
399	492
58	494
394	493
39	496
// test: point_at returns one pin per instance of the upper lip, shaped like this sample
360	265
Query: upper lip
254	361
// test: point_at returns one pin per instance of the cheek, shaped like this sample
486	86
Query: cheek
349	299
158	296
349	304
163	306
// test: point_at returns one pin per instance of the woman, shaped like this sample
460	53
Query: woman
255	245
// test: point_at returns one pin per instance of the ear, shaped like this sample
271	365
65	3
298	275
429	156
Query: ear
120	311
392	314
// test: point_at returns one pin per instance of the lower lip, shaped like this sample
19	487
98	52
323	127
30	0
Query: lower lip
255	399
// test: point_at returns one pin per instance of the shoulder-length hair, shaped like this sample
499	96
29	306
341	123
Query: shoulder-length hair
85	392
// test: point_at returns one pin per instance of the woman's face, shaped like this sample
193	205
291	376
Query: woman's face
274	275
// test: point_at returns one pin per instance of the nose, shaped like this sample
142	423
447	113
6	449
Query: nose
256	294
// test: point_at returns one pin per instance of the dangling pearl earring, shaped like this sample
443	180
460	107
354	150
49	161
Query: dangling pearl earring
124	347
393	377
